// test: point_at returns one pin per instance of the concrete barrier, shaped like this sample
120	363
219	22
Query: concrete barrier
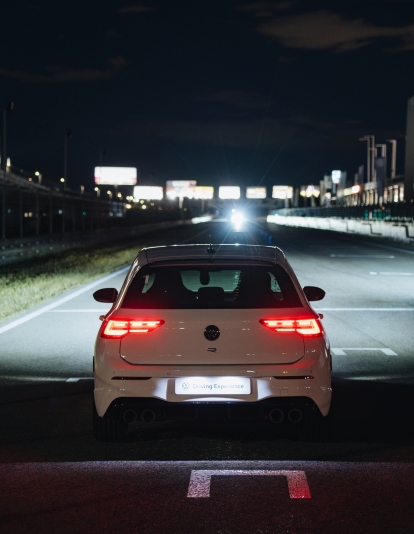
398	231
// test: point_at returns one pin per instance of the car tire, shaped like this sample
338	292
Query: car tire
315	427
108	429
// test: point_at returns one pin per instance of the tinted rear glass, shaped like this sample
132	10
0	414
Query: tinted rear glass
211	286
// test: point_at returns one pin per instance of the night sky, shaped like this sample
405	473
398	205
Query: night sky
220	91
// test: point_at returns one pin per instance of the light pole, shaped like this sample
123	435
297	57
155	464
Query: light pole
8	108
39	177
393	157
383	148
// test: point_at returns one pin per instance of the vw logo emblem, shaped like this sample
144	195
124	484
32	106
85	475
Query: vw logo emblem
185	385
211	332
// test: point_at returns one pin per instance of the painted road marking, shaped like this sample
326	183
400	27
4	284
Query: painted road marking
393	274
341	351
200	481
376	256
58	302
365	309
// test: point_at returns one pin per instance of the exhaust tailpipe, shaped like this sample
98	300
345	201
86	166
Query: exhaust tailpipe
148	417
295	415
130	416
276	415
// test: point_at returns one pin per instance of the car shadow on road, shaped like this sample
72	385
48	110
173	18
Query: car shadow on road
372	421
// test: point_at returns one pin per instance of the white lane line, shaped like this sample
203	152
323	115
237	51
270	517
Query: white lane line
200	481
79	311
376	256
365	309
79	378
393	274
58	302
341	351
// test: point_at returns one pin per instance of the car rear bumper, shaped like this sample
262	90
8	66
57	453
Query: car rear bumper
130	386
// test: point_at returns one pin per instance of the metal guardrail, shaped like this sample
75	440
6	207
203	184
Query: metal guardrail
398	211
14	250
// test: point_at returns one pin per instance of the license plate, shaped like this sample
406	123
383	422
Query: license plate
212	385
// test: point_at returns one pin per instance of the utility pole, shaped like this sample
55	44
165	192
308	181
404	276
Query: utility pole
8	108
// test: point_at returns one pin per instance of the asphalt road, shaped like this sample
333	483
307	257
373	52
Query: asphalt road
56	477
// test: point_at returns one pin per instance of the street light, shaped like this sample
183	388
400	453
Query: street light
393	157
7	109
39	177
98	191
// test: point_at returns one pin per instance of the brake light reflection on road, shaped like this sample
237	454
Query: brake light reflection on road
118	328
304	327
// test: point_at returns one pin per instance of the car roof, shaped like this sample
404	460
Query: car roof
207	252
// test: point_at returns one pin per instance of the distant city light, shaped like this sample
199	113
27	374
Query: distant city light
256	192
116	175
282	191
148	192
229	192
310	191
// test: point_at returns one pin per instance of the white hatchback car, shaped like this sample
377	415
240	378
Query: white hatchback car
201	325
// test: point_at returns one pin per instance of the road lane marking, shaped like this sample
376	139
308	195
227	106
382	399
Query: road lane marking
341	351
200	481
58	302
76	379
365	309
376	256
393	274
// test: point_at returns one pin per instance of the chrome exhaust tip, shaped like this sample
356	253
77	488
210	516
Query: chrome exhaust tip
130	416
148	417
295	415
276	415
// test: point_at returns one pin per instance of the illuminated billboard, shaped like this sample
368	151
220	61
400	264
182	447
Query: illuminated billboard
204	192
115	175
336	177
282	191
148	192
229	192
180	189
256	192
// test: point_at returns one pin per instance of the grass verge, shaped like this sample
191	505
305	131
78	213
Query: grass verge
29	283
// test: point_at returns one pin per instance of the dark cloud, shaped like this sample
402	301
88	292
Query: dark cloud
324	30
136	8
60	74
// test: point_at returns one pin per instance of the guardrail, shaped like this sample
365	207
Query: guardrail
396	230
17	249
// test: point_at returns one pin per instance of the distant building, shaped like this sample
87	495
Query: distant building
409	153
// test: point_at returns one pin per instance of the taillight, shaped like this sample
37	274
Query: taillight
118	328
304	327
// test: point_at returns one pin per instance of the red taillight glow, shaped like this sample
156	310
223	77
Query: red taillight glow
118	328
304	327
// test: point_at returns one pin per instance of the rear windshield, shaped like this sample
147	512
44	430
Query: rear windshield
211	286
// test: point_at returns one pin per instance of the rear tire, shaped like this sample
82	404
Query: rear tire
108	429
316	427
